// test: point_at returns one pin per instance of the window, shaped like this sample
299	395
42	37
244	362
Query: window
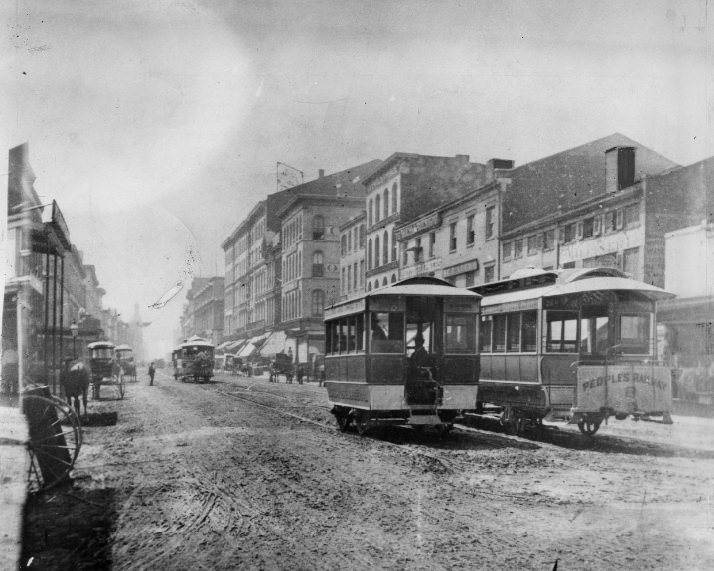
417	250
318	303
499	334
609	222
385	248
394	198
470	278
361	272
507	250
386	202
517	248
377	209
387	332
489	273
354	276
349	241
394	246
569	233
318	268
361	235
369	255
318	227
460	336
344	244
344	281
562	331
531	241
349	278
376	252
513	332
588	227
490	222
485	333
529	320
594	331
548	240
635	333
432	243
470	232
369	213
452	236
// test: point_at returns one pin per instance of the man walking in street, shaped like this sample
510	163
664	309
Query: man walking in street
152	372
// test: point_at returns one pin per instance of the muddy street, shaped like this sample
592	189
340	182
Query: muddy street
243	473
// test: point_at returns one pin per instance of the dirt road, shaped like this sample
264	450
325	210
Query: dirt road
221	476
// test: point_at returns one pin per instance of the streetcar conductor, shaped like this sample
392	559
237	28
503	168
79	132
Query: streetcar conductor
378	333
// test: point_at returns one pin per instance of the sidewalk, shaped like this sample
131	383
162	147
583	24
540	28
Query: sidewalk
13	484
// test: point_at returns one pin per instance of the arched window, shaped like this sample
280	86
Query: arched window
394	278
394	198
369	212
318	227
384	281
377	209
349	241
369	255
376	252
369	286
344	244
376	284
318	303
386	203
385	248
361	235
394	246
318	264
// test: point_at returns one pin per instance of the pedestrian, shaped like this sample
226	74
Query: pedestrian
152	372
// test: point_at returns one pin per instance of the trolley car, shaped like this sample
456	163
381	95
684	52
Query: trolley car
406	354
105	369
194	361
577	344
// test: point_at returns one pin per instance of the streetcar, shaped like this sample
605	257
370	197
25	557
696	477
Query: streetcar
406	354
125	356
104	367
195	360
577	344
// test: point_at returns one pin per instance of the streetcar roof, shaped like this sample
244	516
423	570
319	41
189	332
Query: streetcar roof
123	347
100	345
196	341
651	292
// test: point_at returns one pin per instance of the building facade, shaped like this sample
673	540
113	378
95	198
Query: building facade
352	256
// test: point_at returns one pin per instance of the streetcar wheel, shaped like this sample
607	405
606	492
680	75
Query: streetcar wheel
589	426
55	439
362	423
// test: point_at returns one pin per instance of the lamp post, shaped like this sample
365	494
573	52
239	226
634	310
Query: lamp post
75	331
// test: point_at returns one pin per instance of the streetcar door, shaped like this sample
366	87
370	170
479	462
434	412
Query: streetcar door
423	349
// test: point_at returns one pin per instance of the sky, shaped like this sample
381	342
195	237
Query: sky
157	125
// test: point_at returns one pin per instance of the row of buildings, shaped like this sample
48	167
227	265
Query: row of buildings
610	202
53	303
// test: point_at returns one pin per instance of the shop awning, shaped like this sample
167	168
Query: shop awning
273	344
221	347
252	345
234	346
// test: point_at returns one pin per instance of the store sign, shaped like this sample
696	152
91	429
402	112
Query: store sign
418	226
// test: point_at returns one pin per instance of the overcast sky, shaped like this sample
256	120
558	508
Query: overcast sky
157	125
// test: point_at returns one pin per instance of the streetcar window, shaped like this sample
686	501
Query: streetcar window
562	331
331	337
350	332
485	333
594	335
513	332
419	329
635	333
528	331
387	332
499	334
460	333
102	353
359	332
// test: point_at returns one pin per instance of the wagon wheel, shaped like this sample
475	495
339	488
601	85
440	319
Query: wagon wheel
55	439
589	425
120	382
72	417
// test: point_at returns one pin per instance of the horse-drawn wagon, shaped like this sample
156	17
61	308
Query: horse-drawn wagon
105	369
125	357
282	365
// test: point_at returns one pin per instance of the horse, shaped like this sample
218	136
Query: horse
75	379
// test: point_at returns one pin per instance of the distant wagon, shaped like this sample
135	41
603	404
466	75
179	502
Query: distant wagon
125	356
105	369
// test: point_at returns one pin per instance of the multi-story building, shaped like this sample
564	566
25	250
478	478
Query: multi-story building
401	189
352	260
593	205
206	306
259	298
457	241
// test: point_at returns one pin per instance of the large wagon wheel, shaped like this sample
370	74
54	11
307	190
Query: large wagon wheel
55	439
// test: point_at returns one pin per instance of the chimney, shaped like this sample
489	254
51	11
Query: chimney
495	165
619	168
321	173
